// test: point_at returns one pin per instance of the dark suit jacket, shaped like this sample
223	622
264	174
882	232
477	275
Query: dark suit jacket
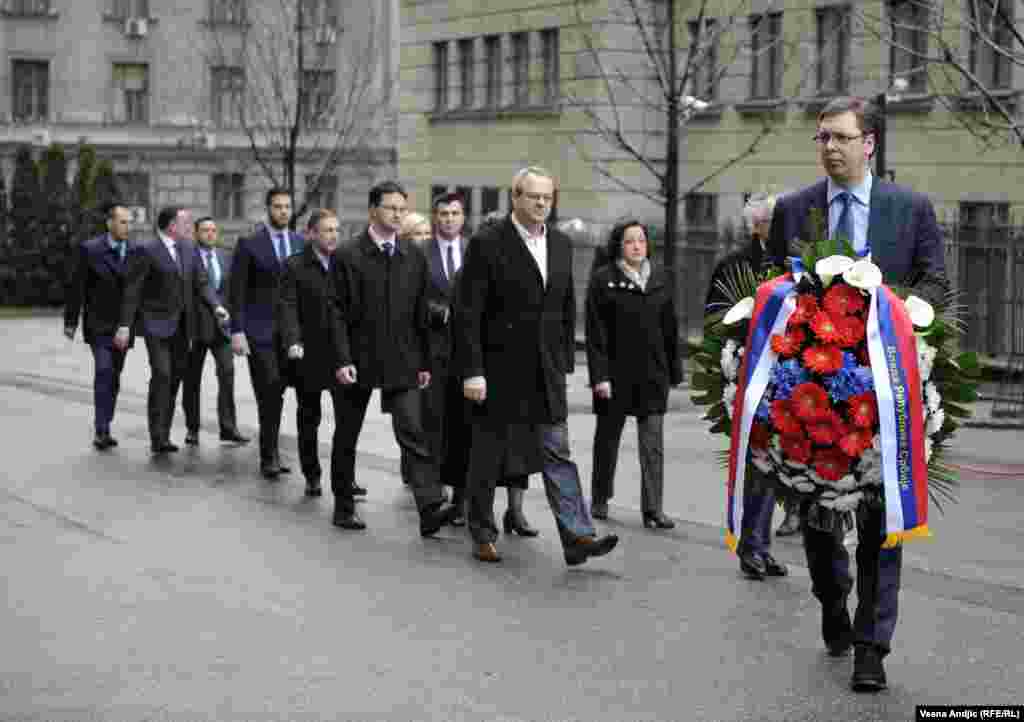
513	329
161	293
384	312
96	290
906	242
254	293
310	316
439	306
210	330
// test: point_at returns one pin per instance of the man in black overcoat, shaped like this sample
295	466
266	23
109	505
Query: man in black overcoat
385	344
311	334
516	335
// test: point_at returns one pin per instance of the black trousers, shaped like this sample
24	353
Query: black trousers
419	464
106	385
168	358
651	442
878	582
448	424
308	417
220	349
268	384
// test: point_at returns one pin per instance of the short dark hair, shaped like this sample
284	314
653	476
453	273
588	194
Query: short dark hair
446	198
614	248
204	219
109	208
384	188
869	115
275	191
166	217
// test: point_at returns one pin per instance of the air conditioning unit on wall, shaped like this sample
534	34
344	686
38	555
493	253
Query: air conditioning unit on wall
136	27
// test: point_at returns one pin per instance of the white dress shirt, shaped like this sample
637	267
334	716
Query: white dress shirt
171	246
536	245
456	246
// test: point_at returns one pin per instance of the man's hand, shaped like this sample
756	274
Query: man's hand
603	390
121	338
295	351
346	375
69	332
222	314
423	378
475	389
239	344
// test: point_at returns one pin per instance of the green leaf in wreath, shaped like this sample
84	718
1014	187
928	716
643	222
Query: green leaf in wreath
956	410
723	426
968	363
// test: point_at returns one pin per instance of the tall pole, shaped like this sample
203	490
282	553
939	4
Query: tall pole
880	166
670	183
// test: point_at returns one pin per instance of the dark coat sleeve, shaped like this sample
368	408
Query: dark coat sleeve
670	330
597	331
74	304
569	322
238	285
928	275
137	270
346	294
201	282
291	332
473	291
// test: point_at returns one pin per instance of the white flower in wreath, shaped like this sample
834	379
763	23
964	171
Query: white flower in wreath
729	398
920	311
761	462
935	421
784	478
729	363
743	309
804	487
847	483
795	464
932	397
925	358
847	502
870	464
863	274
829	268
929	446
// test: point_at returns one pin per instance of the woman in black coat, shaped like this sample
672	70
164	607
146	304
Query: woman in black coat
633	358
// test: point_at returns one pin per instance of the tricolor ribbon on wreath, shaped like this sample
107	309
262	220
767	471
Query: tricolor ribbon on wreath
897	382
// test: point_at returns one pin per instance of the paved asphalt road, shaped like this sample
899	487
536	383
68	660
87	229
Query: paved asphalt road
190	589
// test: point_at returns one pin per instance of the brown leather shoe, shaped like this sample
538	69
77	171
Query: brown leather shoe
487	553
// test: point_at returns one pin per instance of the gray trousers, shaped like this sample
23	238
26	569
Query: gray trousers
650	432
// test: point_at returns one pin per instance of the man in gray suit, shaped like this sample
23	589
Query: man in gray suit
212	336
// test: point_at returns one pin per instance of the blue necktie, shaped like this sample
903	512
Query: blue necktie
388	247
213	268
450	271
844	227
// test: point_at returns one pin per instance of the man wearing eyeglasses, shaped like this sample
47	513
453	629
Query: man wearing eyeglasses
515	338
897	227
384	343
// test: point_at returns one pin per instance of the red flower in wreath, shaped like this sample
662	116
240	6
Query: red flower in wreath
863	410
760	435
856	442
823	359
810	402
831	464
789	343
797	448
851	329
784	419
806	307
842	300
825	328
863	358
823	433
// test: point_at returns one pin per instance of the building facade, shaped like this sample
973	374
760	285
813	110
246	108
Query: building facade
577	85
178	93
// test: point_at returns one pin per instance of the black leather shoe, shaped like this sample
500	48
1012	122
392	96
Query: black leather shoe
868	672
588	546
348	520
657	520
101	442
192	438
773	568
283	469
840	648
165	448
234	437
313	487
519	525
358	490
270	470
599	510
752	566
432	518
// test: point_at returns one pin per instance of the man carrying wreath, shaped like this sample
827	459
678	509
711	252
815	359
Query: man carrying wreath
898	228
